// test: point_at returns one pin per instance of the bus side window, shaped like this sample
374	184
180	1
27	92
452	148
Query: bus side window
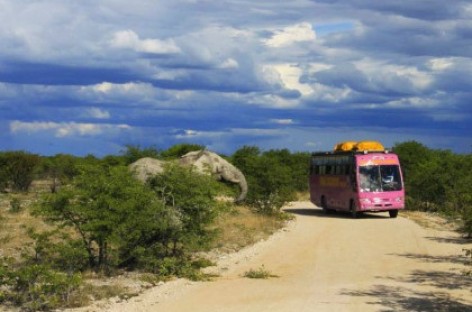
347	169
352	175
323	169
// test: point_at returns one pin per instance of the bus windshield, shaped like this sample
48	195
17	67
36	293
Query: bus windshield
383	178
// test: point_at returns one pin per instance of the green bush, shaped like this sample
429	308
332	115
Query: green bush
110	211
36	287
273	177
437	181
260	273
119	222
18	170
192	197
135	152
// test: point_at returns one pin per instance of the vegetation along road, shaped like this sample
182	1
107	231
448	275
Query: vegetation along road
328	263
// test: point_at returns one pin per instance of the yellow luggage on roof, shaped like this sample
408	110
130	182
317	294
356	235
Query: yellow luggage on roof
345	146
369	146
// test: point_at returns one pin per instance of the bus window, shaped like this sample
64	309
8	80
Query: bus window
391	180
369	178
380	178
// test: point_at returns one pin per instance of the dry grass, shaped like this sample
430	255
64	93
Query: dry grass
236	229
429	220
14	225
242	227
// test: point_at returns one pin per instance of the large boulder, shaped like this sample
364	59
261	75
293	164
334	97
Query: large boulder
147	167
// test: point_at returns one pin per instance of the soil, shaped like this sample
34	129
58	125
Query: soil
327	262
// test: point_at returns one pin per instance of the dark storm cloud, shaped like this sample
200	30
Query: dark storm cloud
54	74
296	74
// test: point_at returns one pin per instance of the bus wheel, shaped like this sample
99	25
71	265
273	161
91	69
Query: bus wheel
353	209
324	205
393	213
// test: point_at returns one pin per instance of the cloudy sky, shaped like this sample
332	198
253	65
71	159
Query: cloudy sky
88	77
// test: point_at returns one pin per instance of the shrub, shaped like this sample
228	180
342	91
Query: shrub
192	197
36	287
273	177
110	211
260	273
18	169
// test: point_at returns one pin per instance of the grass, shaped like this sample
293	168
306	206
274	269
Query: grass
237	227
260	273
14	224
429	220
241	227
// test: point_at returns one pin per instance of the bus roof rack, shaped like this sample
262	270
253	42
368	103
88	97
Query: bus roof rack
352	147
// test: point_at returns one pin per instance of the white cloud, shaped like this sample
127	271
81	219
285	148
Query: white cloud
397	77
118	92
282	121
121	88
229	63
98	113
417	102
128	39
65	129
440	64
291	34
287	75
274	101
188	133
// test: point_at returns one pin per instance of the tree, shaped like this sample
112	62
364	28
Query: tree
19	169
109	210
135	152
192	196
271	177
60	168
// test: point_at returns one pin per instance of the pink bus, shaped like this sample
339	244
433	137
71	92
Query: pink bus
357	177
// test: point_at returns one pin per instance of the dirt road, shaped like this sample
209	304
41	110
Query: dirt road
329	263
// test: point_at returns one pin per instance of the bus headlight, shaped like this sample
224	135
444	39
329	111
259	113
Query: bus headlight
398	199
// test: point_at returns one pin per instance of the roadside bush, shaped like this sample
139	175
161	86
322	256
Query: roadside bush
438	181
36	287
111	213
273	177
192	197
118	222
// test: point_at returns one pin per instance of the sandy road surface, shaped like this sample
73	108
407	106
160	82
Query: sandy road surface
329	263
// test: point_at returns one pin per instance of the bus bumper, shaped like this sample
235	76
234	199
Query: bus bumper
381	204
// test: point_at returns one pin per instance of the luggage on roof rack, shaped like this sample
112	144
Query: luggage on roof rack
362	146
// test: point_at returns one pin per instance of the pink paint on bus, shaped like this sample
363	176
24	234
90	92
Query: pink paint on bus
357	181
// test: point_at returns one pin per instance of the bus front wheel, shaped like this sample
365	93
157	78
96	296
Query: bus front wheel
353	209
393	213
